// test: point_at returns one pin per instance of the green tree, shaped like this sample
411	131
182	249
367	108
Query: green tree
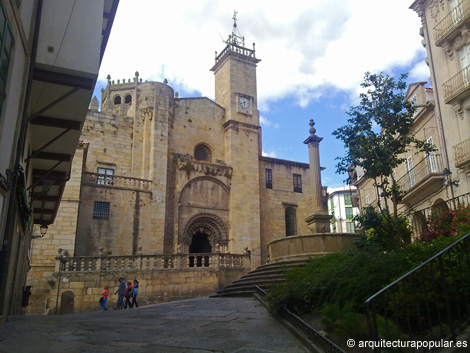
377	135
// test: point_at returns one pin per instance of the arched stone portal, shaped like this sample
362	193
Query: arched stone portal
205	233
200	244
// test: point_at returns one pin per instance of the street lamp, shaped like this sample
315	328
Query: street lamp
43	229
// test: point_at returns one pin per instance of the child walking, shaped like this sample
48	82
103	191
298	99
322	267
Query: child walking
129	293
104	297
136	292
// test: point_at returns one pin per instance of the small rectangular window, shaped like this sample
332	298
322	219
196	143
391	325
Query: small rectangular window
105	176
349	212
297	183
100	210
368	200
269	178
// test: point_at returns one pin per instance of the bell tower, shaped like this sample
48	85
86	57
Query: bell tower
235	78
235	90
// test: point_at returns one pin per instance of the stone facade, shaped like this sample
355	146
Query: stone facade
160	175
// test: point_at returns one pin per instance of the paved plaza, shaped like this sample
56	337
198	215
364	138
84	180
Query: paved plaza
198	325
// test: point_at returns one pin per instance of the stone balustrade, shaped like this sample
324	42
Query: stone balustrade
237	49
116	181
78	264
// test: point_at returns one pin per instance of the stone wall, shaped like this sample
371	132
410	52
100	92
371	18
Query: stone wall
303	247
275	201
128	228
161	279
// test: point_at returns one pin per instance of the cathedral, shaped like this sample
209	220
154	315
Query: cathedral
162	175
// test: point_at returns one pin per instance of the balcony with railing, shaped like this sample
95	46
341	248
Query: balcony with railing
462	155
116	182
449	27
425	178
457	88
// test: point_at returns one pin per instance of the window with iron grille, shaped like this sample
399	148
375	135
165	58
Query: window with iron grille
6	49
100	210
105	176
269	178
297	183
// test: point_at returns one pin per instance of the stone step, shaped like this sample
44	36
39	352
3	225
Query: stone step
255	283
263	276
258	279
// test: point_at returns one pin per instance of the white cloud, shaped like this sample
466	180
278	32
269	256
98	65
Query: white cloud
307	48
420	72
268	123
269	154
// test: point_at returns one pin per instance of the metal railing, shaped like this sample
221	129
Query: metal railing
462	152
314	336
440	208
149	262
431	302
116	181
456	84
456	17
430	165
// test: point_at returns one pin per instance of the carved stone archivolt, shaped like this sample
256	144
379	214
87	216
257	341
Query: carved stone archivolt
209	224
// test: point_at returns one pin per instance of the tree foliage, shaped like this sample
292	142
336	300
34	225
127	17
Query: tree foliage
377	135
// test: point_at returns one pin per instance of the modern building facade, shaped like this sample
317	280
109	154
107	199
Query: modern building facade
342	206
50	52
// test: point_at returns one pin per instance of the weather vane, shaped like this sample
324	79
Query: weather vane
235	38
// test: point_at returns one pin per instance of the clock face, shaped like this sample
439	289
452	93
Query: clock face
244	102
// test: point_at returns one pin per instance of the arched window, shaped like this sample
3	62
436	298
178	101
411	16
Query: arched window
439	207
290	221
202	153
117	100
128	99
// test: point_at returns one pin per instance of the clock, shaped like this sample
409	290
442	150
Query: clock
244	102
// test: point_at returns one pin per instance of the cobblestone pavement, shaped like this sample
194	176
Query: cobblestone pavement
198	325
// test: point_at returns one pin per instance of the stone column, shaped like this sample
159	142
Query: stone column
319	219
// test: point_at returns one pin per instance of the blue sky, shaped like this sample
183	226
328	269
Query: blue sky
314	55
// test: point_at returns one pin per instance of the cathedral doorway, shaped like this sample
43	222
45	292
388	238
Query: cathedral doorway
204	233
200	244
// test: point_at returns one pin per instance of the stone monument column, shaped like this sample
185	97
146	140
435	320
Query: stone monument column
319	219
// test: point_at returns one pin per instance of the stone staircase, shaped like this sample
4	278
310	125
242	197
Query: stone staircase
263	277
